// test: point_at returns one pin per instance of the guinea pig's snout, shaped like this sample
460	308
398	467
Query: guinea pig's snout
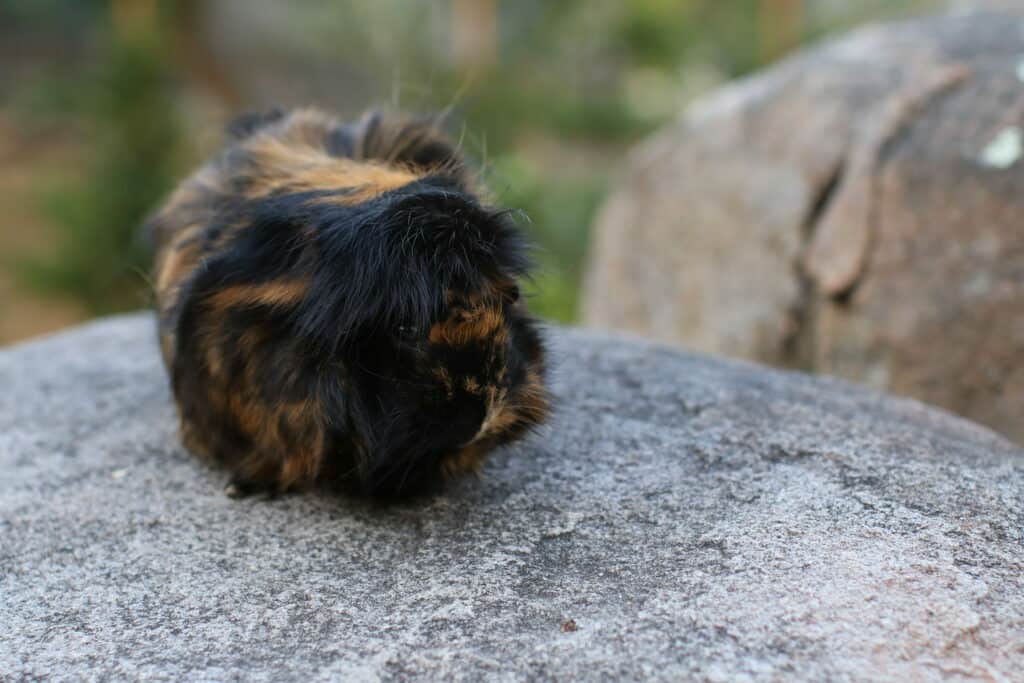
467	420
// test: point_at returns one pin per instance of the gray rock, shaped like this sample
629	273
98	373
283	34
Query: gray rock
853	210
696	518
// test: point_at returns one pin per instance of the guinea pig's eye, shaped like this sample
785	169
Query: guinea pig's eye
407	332
512	293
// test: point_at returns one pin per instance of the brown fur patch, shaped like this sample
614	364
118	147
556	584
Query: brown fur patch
533	398
214	358
301	460
484	323
177	259
167	343
265	294
290	168
305	127
468	459
502	418
298	469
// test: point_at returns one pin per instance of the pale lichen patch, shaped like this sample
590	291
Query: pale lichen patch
1004	150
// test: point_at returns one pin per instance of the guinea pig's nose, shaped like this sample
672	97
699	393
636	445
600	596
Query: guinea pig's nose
467	422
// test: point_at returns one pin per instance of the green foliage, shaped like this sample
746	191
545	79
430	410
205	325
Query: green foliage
574	79
66	13
127	117
557	212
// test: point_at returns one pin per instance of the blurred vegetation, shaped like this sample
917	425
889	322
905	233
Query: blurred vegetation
127	116
546	95
122	105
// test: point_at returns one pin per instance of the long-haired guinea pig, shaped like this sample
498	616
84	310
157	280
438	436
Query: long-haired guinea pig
337	304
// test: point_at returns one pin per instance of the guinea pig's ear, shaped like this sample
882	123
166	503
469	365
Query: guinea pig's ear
417	141
244	125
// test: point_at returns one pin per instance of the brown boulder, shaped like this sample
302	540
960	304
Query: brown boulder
854	210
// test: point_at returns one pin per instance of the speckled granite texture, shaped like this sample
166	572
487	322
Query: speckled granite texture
696	518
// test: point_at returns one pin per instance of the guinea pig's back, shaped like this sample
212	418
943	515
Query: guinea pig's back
282	164
301	154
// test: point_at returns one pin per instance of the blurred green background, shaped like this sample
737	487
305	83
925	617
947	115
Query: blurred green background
105	104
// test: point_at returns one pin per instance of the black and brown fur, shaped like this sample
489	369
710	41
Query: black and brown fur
337	304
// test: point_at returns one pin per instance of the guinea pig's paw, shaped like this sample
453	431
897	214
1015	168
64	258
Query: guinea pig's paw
239	488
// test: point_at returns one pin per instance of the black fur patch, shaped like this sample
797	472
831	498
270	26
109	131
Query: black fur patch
336	303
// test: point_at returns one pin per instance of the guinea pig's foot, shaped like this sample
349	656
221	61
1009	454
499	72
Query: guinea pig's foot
241	488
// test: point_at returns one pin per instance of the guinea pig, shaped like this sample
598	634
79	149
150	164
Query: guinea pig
338	305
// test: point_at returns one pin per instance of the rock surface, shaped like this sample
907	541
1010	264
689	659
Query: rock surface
855	210
696	518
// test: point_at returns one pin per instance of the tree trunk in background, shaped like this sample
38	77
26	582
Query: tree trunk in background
133	17
474	33
198	62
